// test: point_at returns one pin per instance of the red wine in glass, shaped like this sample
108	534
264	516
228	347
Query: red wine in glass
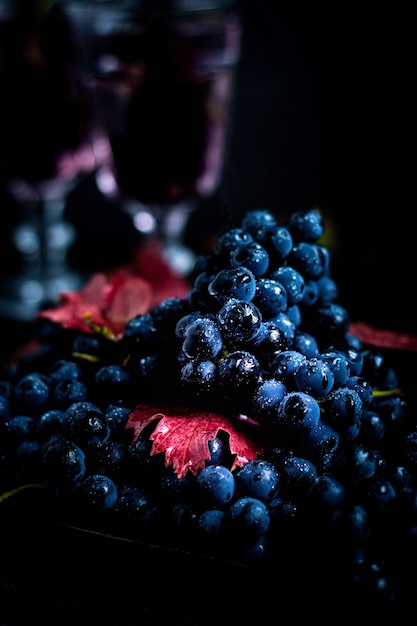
49	141
162	75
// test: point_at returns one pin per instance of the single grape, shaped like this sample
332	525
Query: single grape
259	479
239	321
251	255
216	485
234	282
314	377
248	519
97	492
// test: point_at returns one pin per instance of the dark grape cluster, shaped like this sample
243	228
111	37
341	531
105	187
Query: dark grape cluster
261	334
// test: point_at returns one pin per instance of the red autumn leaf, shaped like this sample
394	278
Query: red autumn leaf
109	300
382	338
106	302
183	434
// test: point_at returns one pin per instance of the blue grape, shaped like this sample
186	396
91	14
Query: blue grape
199	377
202	339
67	391
327	492
265	396
97	492
342	408
251	255
306	344
297	410
253	220
31	393
135	505
234	282
248	518
270	297
276	240
339	365
86	425
239	321
230	240
297	474
64	369
310	295
216	485
314	376
238	371
210	524
292	281
259	479
306	225
63	460
284	364
21	428
310	259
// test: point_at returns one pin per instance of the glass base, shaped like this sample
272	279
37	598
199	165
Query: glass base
22	298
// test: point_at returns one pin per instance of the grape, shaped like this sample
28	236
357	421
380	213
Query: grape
21	428
342	408
50	423
261	335
297	410
253	220
31	393
270	297
232	239
97	492
216	485
292	281
314	376
235	282
258	479
327	492
338	364
239	321
135	505
63	460
310	259
306	225
276	240
238	371
87	425
306	344
251	255
266	395
284	365
248	518
210	523
199	377
67	391
202	339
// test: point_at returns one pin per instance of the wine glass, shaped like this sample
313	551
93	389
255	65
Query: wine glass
49	142
162	76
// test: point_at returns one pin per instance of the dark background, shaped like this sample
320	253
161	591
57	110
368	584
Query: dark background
325	117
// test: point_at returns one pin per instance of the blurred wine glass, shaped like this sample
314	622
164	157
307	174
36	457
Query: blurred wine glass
162	76
49	142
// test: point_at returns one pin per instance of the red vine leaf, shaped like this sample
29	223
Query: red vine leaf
382	338
109	300
106	302
183	435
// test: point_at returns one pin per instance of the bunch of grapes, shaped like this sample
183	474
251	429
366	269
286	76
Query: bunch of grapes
261	334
